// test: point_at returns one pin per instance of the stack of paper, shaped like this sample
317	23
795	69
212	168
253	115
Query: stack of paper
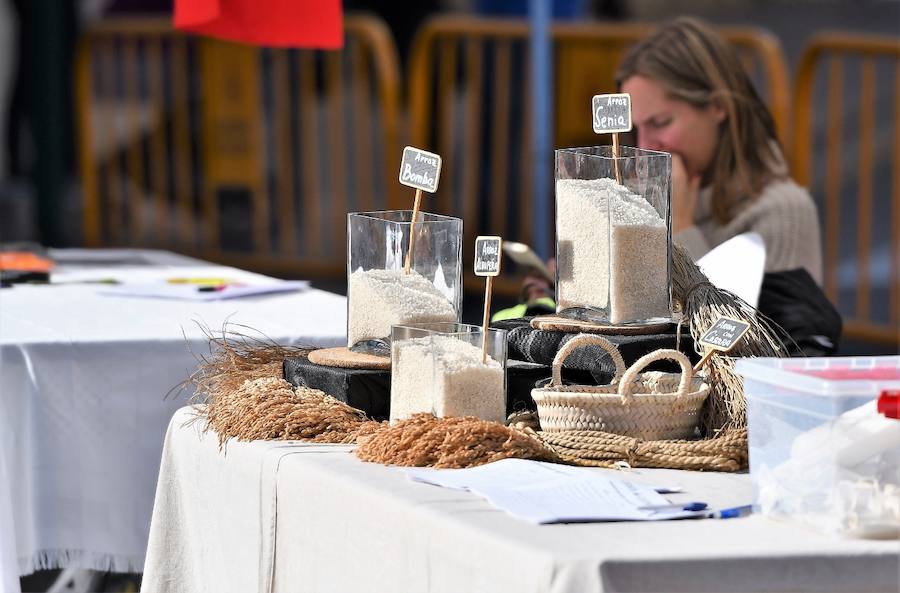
550	493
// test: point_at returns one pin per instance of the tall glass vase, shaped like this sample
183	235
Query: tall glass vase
382	292
613	231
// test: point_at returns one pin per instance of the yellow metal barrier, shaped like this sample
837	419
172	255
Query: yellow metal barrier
465	74
233	153
826	59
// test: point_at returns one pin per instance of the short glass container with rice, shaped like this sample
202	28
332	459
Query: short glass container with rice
613	233
385	286
448	369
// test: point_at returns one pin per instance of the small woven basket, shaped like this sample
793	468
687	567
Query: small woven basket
651	405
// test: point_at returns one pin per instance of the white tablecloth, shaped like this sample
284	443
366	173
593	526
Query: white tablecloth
83	413
272	516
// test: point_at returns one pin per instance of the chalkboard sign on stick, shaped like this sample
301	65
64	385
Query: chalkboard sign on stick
611	113
487	264
422	170
487	256
722	336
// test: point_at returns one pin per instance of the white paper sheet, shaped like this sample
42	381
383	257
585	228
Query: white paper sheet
737	265
549	493
192	292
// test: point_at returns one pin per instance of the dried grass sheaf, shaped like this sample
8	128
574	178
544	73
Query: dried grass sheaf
426	441
239	382
701	305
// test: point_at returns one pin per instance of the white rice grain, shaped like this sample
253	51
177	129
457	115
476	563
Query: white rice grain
625	271
445	376
379	299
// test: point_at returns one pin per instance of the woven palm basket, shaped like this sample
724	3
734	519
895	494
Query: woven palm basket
651	405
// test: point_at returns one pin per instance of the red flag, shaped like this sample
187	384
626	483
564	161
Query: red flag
278	23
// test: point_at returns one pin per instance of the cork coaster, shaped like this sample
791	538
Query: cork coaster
346	359
574	326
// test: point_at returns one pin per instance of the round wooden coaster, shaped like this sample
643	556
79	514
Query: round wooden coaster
574	326
346	359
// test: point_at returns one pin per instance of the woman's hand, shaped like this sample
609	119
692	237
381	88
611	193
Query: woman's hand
685	193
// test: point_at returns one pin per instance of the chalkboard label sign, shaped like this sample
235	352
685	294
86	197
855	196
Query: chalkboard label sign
724	334
420	169
487	256
611	113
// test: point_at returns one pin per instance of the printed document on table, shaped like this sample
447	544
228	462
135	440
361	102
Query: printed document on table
548	493
192	292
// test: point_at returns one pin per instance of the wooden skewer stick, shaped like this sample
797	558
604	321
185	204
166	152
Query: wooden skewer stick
615	148
488	285
704	360
412	231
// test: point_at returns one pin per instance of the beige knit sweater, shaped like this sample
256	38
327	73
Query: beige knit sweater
784	214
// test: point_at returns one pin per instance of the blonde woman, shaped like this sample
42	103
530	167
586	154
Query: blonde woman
692	98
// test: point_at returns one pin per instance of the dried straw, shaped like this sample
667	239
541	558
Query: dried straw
726	452
701	304
270	408
426	441
235	357
240	383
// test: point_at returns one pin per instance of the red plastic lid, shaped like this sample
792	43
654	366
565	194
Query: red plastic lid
889	403
854	374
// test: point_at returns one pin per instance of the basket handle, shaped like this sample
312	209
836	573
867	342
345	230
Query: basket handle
579	342
687	373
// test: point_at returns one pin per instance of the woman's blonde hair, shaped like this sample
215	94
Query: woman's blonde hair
696	65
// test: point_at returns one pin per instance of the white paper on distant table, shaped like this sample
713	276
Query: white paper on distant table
737	265
549	493
190	292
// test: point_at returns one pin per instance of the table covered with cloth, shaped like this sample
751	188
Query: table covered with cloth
83	407
274	516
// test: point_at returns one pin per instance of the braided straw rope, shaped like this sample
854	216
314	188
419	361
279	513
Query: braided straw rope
727	452
651	405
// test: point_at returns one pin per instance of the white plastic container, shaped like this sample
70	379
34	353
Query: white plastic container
820	452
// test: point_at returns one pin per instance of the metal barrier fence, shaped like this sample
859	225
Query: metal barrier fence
853	170
234	153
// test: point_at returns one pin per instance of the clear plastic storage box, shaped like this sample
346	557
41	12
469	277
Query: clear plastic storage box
821	452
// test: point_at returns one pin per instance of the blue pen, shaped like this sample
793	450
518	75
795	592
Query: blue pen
732	513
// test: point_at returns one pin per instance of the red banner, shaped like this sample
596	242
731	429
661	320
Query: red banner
313	24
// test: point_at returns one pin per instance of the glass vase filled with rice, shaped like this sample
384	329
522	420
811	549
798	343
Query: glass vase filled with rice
613	233
448	369
385	286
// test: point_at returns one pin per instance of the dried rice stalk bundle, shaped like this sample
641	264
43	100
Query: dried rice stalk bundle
233	358
726	452
270	408
702	304
426	441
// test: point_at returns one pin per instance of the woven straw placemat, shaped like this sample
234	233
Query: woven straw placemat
576	326
347	359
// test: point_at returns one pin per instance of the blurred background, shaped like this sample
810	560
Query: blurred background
116	130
